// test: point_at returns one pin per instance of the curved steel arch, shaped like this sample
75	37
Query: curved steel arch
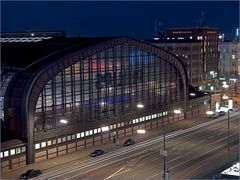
46	73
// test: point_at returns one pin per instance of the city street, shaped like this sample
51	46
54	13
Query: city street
189	151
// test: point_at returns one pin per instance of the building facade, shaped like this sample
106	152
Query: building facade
209	38
189	52
230	59
88	91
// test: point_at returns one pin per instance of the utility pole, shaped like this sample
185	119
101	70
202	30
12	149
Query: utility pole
228	130
163	152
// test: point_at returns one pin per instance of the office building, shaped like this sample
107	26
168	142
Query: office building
230	59
209	38
189	52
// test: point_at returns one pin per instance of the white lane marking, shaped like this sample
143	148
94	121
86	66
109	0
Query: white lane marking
155	159
114	173
198	156
175	158
141	164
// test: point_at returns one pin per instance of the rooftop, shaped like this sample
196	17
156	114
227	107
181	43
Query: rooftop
23	54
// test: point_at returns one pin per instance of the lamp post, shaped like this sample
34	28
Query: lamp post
228	145
163	152
177	111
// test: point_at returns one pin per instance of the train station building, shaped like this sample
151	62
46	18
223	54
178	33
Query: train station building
61	95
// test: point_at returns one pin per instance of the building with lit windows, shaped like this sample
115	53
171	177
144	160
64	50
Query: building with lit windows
65	94
230	59
209	38
189	52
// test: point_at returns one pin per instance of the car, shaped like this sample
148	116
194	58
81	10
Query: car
221	113
215	115
129	142
97	152
30	173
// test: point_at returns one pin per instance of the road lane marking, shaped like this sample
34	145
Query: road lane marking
113	174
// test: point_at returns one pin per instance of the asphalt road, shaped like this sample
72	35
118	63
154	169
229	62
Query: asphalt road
189	151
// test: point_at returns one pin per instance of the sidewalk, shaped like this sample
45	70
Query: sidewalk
83	154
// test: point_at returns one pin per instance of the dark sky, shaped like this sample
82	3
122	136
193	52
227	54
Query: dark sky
135	19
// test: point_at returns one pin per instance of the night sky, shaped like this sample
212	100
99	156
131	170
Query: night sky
123	18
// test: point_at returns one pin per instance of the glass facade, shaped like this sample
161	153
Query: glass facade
106	85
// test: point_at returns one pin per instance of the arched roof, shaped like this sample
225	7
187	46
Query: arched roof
27	85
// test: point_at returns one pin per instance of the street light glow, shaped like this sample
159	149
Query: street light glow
225	97
177	111
192	94
209	112
140	105
225	86
63	121
141	131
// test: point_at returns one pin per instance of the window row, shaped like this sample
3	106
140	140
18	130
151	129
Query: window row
12	152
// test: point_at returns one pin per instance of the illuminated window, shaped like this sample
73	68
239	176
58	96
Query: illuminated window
122	123
23	149
73	136
233	56
78	135
6	154
1	155
134	121
69	138
64	139
12	151
59	140
114	126
53	141
140	120
37	146
43	144
99	130
49	143
18	150
90	132
82	134
87	133
146	117
95	131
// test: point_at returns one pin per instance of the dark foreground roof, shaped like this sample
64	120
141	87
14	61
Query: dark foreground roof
197	93
21	55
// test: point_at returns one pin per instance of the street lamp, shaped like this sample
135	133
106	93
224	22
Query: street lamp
209	112
163	152
140	105
141	131
63	121
177	111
